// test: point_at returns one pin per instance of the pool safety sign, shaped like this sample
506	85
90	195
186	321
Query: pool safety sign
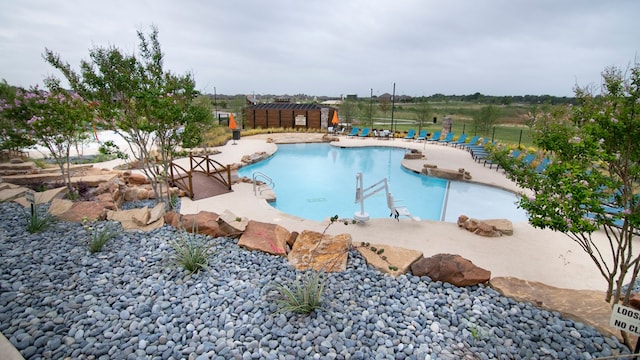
625	318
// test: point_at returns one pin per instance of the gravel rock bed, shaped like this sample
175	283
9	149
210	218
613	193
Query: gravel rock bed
131	302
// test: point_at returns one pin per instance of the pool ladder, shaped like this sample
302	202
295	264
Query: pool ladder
267	183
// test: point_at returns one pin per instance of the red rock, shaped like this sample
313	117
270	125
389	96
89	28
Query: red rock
270	238
204	222
453	269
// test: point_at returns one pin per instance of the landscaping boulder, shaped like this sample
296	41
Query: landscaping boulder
135	219
269	238
314	250
453	269
231	223
488	228
390	256
204	222
68	210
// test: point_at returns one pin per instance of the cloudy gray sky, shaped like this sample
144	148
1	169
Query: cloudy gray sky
335	47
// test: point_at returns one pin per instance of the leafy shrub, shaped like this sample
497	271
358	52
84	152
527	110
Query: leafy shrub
303	296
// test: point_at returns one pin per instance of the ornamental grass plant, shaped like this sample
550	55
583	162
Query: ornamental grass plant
38	222
192	251
303	295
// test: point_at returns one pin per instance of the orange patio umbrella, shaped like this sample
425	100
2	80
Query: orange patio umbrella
335	119
232	122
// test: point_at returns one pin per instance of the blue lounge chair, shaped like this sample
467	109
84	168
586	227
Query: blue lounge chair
543	165
422	135
460	140
526	161
354	132
473	141
410	135
482	152
447	139
514	154
365	132
435	136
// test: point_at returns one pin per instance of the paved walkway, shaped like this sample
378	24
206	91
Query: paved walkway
530	254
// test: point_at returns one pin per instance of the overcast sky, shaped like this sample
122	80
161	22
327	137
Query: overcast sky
334	47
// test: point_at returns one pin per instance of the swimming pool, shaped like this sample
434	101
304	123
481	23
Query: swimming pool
316	181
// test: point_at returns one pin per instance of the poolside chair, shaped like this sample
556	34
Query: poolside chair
460	140
473	141
526	161
397	211
483	152
365	132
410	135
542	166
435	136
354	132
447	139
514	154
422	135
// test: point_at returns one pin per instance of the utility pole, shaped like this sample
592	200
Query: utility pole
371	108
393	102
215	104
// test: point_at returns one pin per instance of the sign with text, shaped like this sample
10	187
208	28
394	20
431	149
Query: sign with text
625	318
301	120
30	196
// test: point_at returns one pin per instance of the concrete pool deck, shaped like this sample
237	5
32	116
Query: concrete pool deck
529	254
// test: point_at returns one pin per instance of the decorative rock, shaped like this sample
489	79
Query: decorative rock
503	225
140	216
136	193
134	219
444	173
232	224
453	269
320	252
580	305
172	218
156	213
292	239
135	179
395	256
92	210
483	227
270	238
204	222
414	154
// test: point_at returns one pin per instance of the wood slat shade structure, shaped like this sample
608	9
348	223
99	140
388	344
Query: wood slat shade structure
288	115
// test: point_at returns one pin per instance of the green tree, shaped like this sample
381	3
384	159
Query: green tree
238	105
384	104
423	113
13	135
152	109
348	110
368	110
484	119
592	181
55	119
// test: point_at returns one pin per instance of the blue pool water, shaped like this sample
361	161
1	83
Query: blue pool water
317	181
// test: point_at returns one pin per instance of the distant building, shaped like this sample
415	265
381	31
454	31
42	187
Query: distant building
288	115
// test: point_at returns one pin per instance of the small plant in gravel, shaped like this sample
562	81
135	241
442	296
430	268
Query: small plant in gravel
192	251
37	222
96	238
303	296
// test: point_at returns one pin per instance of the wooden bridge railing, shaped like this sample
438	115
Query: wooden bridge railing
183	179
212	168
